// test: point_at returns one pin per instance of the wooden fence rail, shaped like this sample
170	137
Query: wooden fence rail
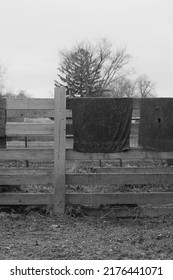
52	141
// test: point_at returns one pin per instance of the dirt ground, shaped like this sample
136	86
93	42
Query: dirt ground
34	234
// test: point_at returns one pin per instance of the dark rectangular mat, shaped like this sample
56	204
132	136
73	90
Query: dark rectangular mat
101	125
156	124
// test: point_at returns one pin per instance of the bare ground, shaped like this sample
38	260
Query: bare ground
32	233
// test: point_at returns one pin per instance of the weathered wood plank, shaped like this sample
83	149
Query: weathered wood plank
38	144
25	113
117	211
27	154
125	170
131	154
26	199
59	150
118	179
47	154
34	113
32	178
28	170
29	129
119	198
29	103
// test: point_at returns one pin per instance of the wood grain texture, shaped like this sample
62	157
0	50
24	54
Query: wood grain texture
32	178
125	170
59	150
119	179
26	199
29	129
38	144
29	103
27	154
28	170
131	154
119	198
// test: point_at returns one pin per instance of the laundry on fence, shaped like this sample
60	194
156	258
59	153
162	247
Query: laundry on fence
101	125
2	123
156	124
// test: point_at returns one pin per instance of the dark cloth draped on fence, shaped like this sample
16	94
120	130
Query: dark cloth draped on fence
156	124
101	125
2	122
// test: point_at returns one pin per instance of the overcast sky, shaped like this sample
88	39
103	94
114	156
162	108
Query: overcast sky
33	31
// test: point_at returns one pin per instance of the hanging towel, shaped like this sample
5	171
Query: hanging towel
2	123
156	124
101	125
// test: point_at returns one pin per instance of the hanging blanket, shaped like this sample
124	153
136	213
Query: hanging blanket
101	125
156	124
2	122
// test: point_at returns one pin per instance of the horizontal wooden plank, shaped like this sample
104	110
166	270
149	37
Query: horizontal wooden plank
26	113
124	211
27	154
29	129
25	199
28	178
88	199
131	154
31	138
34	113
125	170
30	144
38	144
29	103
28	170
37	177
119	179
120	198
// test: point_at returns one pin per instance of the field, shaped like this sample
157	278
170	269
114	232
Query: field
34	233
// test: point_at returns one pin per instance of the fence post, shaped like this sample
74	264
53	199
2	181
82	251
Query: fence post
59	150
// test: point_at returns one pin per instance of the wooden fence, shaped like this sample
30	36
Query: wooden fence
62	151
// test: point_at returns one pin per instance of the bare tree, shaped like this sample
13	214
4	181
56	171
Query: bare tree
144	87
90	70
123	87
